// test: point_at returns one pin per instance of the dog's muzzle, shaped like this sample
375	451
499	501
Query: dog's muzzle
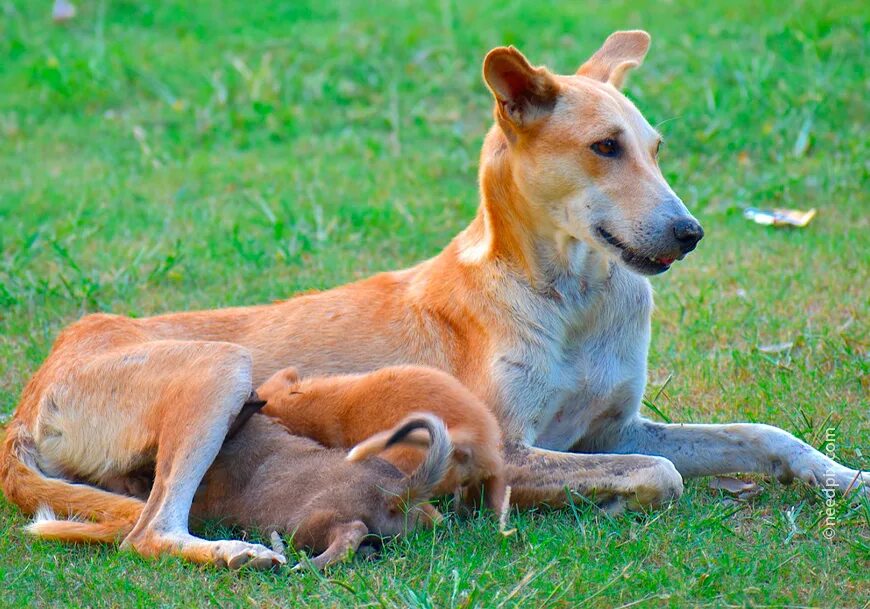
688	233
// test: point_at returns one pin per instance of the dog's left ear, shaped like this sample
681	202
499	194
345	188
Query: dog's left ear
621	52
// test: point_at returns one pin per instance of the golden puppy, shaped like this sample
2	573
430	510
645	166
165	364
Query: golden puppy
345	410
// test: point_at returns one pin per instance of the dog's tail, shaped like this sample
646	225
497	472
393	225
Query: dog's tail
97	515
431	472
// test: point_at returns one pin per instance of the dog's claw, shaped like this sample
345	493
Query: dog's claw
254	556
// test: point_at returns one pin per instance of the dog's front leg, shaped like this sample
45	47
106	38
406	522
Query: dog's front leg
538	476
699	450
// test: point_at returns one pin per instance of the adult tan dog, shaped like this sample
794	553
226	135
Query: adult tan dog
540	307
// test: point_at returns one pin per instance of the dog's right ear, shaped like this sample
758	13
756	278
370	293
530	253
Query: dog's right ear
621	52
523	93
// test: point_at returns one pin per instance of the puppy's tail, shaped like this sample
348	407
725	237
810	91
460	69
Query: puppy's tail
423	481
431	472
109	516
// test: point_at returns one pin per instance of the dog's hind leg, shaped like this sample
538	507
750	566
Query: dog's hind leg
104	410
194	391
700	450
538	476
166	402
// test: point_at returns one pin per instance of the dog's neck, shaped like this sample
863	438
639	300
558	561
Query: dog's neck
509	229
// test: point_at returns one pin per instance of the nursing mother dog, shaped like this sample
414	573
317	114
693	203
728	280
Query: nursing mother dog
541	307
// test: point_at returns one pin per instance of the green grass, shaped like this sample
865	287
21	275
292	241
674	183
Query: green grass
166	155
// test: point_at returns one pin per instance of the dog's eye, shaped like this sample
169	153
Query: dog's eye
658	147
607	148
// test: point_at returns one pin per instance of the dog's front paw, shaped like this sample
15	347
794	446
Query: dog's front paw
837	478
852	483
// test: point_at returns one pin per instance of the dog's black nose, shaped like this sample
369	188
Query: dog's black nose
688	233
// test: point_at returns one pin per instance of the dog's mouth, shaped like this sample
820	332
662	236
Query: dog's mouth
647	265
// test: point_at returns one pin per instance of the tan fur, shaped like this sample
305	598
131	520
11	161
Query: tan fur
29	490
540	307
343	410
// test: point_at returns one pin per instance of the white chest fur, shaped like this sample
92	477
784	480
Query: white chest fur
576	361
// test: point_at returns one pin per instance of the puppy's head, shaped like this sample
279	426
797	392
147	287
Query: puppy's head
278	385
585	159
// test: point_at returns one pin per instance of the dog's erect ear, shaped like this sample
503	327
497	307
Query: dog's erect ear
621	52
522	92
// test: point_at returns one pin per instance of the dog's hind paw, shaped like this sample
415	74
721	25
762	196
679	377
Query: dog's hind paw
238	554
224	553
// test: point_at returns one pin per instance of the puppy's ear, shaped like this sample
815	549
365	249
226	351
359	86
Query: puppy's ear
621	52
522	92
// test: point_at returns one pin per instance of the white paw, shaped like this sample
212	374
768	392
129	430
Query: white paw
238	554
835	477
852	481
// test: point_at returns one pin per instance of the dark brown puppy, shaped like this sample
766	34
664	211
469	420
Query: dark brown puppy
266	478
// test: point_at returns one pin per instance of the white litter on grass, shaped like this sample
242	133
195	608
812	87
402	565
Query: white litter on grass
63	11
741	489
776	347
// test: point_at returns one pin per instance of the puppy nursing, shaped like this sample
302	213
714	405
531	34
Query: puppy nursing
268	479
352	411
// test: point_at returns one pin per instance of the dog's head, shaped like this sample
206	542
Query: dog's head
585	158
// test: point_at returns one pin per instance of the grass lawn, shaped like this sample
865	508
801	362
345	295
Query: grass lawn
173	155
